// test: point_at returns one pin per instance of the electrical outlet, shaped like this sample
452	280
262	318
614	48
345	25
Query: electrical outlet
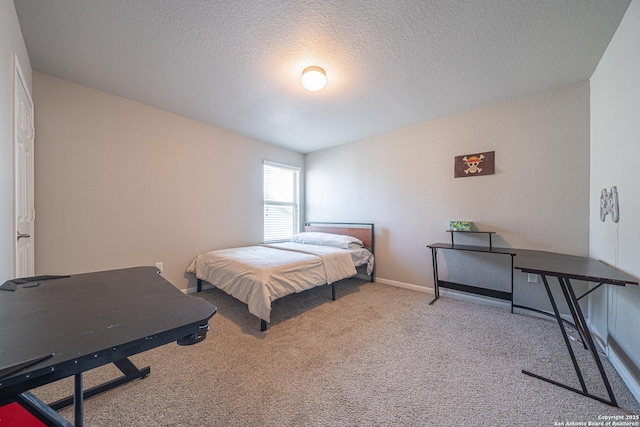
532	278
160	266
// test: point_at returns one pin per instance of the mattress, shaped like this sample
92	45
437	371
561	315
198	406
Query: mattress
258	275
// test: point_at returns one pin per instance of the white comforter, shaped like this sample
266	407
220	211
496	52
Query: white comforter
258	275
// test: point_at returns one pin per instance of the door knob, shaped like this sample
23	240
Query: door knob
21	235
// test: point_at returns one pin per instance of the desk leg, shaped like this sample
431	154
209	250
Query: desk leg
512	269
590	343
41	410
567	343
434	261
572	308
130	371
567	290
78	401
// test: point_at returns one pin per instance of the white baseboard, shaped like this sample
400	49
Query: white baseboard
597	336
463	296
193	289
629	379
617	361
405	285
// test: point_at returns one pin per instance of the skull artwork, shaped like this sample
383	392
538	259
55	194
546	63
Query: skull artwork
473	162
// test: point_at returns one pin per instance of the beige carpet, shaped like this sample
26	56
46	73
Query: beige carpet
377	356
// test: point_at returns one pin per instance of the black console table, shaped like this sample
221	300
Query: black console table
507	296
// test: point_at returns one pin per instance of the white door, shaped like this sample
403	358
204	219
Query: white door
24	176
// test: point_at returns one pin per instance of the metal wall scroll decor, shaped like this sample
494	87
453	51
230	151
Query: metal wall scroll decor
609	204
474	164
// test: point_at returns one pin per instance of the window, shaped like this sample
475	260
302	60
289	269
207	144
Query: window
281	202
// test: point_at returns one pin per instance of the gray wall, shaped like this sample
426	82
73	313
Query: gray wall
403	182
11	42
615	140
121	184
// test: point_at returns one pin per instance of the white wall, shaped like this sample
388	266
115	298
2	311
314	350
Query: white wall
615	144
120	184
11	42
403	182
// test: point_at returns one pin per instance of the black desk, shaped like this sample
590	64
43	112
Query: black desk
507	296
89	320
565	268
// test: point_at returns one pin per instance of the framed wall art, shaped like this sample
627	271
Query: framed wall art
476	164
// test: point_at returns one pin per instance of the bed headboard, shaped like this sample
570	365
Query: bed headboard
362	231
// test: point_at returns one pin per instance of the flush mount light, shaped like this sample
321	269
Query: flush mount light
313	78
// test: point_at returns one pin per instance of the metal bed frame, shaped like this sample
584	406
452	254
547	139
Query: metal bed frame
360	230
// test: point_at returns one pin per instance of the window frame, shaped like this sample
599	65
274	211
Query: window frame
273	236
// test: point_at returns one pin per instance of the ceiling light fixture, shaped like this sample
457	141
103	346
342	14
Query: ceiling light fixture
313	78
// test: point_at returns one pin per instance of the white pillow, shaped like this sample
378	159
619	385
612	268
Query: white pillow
327	239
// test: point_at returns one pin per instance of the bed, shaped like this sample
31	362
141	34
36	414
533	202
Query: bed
258	275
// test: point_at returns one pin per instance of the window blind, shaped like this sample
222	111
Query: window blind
281	202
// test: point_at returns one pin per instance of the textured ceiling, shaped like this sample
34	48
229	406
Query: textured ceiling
236	64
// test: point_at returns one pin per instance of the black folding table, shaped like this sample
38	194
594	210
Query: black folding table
52	329
566	268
